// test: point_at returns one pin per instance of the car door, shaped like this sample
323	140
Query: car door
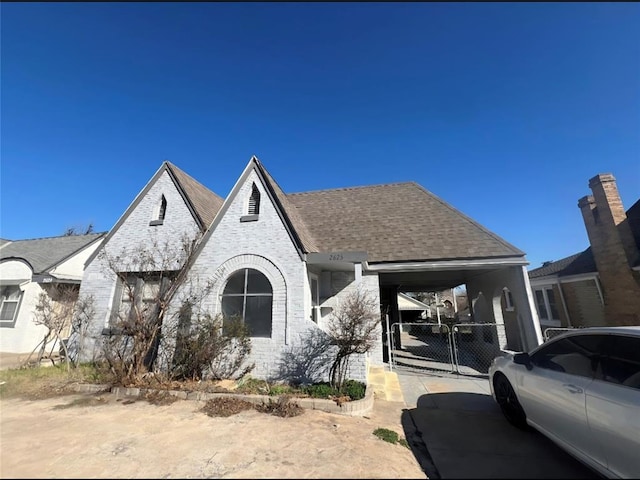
553	392
613	406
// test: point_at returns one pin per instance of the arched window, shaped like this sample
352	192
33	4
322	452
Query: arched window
248	295
254	201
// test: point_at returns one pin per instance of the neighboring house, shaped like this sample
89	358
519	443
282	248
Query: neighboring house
411	309
307	251
600	285
28	268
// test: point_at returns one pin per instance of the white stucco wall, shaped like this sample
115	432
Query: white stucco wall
100	283
24	335
73	268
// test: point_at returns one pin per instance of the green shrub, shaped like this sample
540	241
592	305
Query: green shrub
356	390
320	390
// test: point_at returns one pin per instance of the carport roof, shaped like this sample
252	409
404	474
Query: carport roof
394	223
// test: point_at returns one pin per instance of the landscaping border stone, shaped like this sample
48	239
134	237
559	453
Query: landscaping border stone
355	408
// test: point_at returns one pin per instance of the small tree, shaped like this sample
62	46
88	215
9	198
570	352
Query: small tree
151	276
353	327
54	310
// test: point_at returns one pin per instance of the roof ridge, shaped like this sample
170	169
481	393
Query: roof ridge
357	187
57	236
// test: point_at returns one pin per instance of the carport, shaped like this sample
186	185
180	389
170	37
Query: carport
485	279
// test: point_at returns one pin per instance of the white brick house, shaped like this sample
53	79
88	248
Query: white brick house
305	252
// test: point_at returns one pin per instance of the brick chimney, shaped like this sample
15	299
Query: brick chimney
614	250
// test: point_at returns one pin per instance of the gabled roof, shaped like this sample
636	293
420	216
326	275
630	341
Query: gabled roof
395	222
405	302
201	202
296	223
204	202
43	254
577	264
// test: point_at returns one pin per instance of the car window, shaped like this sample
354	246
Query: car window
622	364
575	355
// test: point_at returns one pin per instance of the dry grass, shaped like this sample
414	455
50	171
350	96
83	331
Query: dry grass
34	383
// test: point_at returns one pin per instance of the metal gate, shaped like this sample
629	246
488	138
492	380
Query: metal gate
461	348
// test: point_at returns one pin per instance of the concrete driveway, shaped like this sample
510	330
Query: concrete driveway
464	434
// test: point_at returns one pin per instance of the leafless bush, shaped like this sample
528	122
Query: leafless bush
353	329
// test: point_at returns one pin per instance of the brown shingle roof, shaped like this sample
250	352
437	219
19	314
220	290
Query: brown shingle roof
300	228
395	222
205	203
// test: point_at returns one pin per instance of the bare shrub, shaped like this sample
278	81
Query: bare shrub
54	310
283	407
352	327
225	406
212	348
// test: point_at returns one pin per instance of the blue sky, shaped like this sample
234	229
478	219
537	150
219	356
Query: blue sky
505	111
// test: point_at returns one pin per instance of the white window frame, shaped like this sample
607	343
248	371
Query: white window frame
245	294
139	283
5	299
547	321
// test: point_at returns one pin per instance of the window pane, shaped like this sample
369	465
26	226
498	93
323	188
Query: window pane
552	305
8	311
577	355
232	307
258	316
150	290
235	284
11	292
622	365
542	309
257	282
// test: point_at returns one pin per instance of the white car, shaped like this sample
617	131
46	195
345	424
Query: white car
581	389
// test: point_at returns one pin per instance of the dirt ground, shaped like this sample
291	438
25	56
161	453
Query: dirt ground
100	436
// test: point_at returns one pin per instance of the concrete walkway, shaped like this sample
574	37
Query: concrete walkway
459	432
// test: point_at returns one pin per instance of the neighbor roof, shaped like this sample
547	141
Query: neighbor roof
584	262
395	222
579	263
45	253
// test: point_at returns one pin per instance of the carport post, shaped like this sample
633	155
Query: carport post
386	316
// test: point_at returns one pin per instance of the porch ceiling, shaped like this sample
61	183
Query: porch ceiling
431	279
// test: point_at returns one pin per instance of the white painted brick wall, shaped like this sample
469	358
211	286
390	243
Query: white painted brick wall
100	283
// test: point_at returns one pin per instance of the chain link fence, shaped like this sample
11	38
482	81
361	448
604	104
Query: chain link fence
463	348
552	332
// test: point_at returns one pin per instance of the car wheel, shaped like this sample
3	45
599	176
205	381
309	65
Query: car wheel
508	402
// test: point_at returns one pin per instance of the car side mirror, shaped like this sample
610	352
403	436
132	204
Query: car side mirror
523	359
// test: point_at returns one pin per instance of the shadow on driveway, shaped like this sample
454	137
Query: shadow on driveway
464	435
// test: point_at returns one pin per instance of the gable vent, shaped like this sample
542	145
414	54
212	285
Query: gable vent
254	201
